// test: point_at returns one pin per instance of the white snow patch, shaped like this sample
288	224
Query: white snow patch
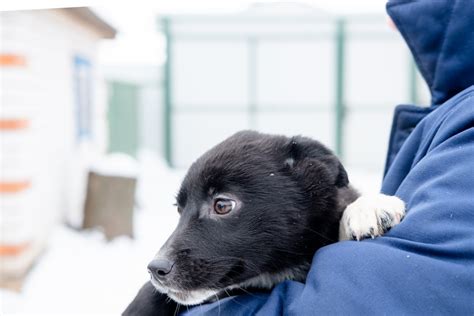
116	164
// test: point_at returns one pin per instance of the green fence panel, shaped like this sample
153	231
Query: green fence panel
123	117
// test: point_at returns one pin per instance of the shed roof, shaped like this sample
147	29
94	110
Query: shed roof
87	16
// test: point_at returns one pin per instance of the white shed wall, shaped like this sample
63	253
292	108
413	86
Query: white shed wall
47	153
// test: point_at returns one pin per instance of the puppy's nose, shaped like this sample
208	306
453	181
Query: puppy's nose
160	268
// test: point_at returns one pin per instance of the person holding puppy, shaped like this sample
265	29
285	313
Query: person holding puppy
425	265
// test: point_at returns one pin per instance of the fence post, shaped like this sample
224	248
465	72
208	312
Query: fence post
167	115
252	82
339	98
413	88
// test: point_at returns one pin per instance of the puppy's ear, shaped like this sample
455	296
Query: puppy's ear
310	158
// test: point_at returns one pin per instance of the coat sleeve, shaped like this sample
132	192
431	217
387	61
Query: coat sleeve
425	265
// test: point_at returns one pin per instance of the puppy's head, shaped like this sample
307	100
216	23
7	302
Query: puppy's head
253	209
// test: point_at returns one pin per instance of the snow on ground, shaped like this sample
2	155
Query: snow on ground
81	273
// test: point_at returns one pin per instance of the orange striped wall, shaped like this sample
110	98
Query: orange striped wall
13	124
12	60
14	186
13	250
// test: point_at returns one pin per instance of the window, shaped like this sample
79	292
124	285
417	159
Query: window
83	97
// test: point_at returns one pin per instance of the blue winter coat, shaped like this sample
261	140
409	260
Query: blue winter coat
425	265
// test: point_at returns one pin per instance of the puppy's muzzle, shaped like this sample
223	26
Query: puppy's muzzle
160	268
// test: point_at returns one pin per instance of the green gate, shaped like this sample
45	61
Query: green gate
123	117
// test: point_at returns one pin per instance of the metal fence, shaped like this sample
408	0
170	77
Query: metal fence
335	79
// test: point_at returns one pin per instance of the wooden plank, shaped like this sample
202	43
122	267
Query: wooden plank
14	186
13	250
13	124
12	60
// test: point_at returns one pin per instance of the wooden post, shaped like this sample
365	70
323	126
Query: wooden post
109	204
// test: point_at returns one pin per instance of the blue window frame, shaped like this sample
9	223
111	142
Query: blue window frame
83	97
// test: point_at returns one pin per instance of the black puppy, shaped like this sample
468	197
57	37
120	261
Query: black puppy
254	210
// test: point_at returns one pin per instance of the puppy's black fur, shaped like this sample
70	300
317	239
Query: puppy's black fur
289	196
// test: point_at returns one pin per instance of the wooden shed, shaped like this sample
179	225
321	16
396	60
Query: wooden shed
52	121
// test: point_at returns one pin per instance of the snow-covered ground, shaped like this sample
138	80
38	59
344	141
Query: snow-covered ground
81	273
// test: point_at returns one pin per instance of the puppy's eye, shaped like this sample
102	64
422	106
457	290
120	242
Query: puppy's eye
223	206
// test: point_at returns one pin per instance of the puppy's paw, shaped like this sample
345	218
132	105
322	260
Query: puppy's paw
370	216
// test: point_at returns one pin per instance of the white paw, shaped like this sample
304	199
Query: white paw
370	215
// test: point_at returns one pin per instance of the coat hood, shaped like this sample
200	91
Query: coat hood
440	34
